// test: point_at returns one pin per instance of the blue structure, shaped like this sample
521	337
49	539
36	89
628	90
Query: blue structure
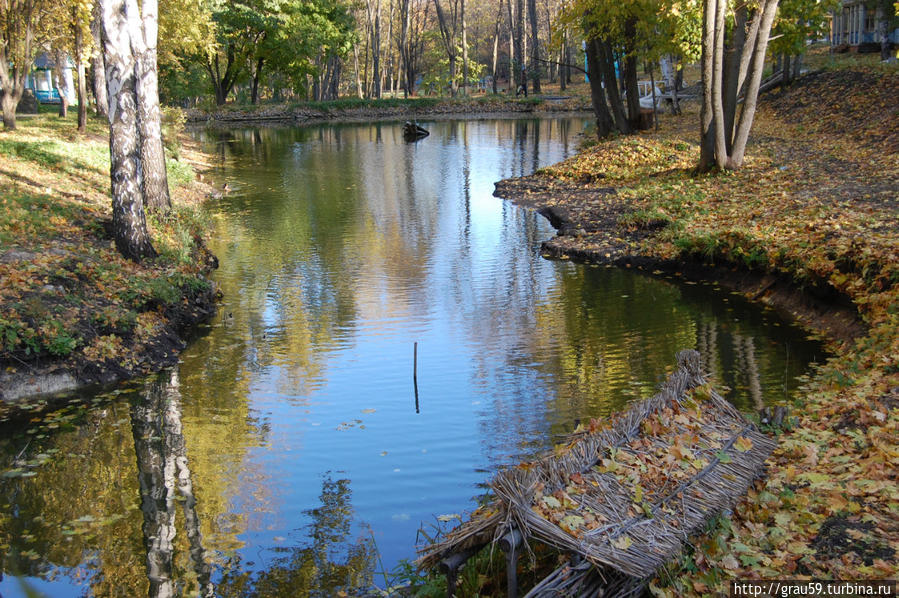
41	81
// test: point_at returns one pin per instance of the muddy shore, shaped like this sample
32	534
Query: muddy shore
307	115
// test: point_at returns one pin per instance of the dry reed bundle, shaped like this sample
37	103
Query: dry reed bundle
627	496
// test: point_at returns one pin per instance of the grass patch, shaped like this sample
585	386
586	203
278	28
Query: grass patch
66	295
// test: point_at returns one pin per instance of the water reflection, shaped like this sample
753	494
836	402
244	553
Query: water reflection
165	478
340	248
333	562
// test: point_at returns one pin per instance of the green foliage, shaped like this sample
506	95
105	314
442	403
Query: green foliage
15	334
59	341
172	122
162	291
182	82
180	174
799	21
176	235
35	152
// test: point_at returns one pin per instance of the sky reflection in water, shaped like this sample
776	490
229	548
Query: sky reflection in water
294	416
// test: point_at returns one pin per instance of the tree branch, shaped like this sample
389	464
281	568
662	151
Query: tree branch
571	66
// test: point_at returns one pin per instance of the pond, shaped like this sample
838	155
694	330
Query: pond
389	336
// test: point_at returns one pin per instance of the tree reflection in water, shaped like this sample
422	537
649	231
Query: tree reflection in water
330	562
163	472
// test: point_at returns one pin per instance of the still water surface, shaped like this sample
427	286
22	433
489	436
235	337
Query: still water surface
289	452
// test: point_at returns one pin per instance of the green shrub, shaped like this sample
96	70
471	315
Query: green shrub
173	120
58	340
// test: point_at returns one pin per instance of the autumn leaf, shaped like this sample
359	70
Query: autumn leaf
622	542
743	444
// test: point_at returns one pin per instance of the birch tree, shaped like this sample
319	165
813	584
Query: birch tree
145	28
128	218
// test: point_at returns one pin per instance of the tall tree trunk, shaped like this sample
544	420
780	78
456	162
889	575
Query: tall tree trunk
732	72
144	34
257	74
768	10
499	17
721	152
454	83
607	69
513	64
604	123
16	38
82	83
464	48
519	46
376	52
98	68
563	61
8	102
405	53
359	93
335	78
222	82
787	70
706	113
716	112
391	64
128	218
62	84
535	47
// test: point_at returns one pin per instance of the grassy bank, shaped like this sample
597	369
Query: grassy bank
70	305
817	205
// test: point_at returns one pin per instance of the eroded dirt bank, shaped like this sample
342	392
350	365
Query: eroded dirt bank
587	217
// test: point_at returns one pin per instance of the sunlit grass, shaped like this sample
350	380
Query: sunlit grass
64	270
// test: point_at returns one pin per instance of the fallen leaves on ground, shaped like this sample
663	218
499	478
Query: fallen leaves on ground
68	300
816	202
